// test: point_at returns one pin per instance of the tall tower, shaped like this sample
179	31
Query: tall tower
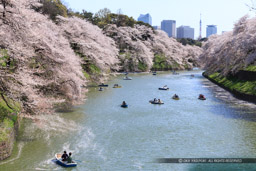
200	31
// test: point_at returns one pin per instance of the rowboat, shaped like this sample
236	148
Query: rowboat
175	98
124	106
63	163
117	86
201	97
163	88
103	85
156	102
127	78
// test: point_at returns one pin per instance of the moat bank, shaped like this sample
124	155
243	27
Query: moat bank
242	85
9	124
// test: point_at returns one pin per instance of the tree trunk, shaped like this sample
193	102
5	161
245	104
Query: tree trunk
4	4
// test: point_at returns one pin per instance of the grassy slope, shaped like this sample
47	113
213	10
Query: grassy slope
251	68
245	87
8	117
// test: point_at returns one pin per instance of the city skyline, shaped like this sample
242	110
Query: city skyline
222	13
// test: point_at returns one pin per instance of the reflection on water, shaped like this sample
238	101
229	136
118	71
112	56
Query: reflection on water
104	136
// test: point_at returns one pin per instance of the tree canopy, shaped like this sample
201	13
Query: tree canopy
53	8
101	18
189	41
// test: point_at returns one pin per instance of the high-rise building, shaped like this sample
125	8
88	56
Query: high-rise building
145	18
157	27
185	32
169	26
210	30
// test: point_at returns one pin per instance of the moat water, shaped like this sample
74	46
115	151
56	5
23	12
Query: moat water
104	136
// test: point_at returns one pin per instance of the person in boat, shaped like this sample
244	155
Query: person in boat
176	96
123	104
159	101
201	96
64	156
69	159
155	100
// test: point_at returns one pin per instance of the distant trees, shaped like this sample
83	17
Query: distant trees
104	17
87	15
189	41
101	18
102	13
53	8
119	20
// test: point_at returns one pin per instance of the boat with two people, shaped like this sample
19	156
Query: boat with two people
155	101
175	97
201	97
117	86
163	88
124	105
65	160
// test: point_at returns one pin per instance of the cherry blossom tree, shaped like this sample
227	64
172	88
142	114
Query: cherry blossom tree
5	3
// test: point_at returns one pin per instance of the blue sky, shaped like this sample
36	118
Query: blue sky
223	13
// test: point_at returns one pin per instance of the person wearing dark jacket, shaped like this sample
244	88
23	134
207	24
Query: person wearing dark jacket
64	156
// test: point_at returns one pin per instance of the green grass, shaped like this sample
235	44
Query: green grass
86	75
5	129
245	87
94	69
142	66
6	62
160	63
251	68
3	57
8	116
89	68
